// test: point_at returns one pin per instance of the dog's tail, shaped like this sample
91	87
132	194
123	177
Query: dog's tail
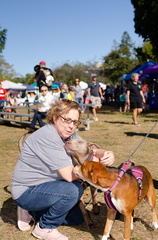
7	189
22	140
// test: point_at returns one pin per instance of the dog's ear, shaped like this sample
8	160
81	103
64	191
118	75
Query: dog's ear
91	171
94	174
92	146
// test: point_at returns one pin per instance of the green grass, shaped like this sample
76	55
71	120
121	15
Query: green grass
114	132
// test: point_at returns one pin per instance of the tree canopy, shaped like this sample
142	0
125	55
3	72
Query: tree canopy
7	71
120	60
3	34
146	18
67	73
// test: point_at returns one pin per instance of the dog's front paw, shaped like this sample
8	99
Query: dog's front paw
155	225
105	237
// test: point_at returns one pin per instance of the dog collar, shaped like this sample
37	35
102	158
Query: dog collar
91	158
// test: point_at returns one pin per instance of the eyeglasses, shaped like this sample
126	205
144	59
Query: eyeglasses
69	121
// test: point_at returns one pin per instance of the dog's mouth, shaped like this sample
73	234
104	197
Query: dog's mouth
68	149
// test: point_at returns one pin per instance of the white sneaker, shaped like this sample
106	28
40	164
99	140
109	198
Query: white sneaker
24	219
47	234
95	119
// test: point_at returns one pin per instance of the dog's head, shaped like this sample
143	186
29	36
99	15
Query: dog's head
92	172
80	150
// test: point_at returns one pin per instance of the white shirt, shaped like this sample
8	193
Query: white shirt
46	101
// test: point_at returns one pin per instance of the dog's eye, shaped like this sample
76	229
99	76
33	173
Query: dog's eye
80	141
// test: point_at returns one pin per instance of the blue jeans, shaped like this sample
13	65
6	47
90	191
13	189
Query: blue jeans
53	203
79	101
2	102
38	116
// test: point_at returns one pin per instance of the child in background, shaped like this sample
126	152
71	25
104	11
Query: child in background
122	102
71	94
127	107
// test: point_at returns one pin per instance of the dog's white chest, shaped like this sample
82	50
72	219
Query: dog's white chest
116	202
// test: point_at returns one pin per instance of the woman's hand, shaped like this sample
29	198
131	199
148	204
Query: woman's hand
105	157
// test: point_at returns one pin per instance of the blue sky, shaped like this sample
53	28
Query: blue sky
60	31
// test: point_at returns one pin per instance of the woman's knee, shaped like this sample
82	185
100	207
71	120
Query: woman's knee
139	110
76	189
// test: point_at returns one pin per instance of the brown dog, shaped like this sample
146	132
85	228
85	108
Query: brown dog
124	196
80	150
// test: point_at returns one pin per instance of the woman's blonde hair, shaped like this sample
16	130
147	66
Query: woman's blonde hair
61	107
133	75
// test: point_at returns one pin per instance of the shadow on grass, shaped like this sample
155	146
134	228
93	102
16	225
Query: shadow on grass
155	183
146	225
151	135
9	215
8	211
118	122
8	124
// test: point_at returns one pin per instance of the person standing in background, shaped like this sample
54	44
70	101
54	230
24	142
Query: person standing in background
78	93
135	98
127	107
122	101
3	94
44	76
145	91
3	97
95	93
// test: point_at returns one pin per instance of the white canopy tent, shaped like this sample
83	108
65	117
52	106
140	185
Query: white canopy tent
103	86
11	85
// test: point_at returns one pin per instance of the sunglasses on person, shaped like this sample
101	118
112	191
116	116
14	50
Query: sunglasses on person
44	90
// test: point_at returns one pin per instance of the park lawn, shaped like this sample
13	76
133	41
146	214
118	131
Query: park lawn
114	131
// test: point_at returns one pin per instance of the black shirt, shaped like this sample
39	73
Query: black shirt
134	92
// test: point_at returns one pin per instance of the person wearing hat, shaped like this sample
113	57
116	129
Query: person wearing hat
95	95
43	76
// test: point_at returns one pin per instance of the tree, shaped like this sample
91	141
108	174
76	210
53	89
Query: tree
120	60
2	39
146	18
145	52
67	73
6	71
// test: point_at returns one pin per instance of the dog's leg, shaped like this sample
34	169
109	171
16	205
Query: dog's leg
151	199
132	216
96	208
111	214
127	226
86	217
